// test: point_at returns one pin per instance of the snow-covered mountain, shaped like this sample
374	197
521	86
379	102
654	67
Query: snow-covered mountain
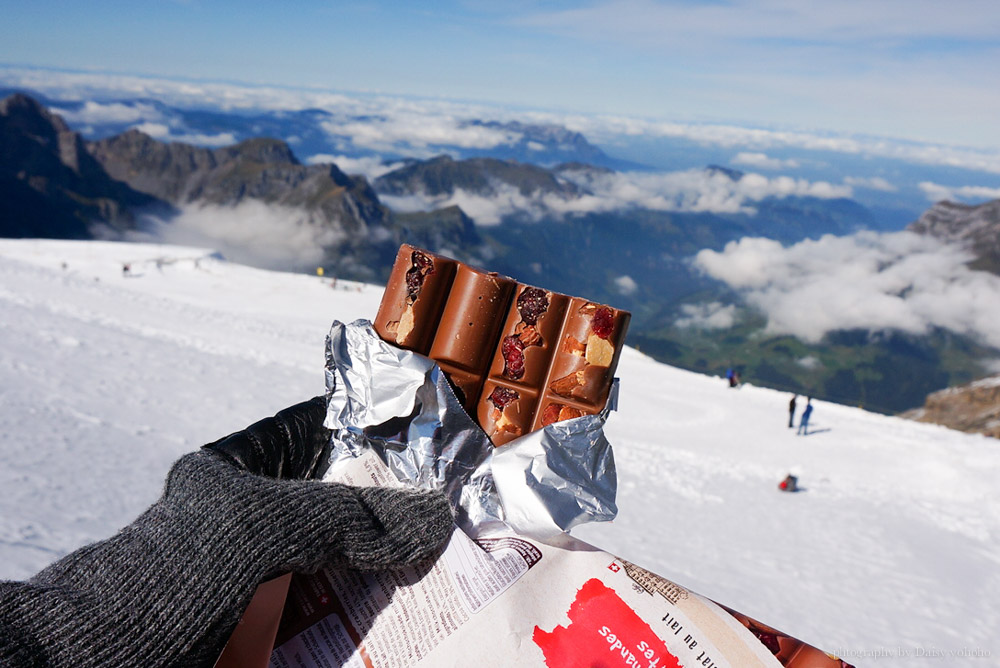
106	378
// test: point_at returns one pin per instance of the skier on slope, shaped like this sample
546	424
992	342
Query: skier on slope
169	589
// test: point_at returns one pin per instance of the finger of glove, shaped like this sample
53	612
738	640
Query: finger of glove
290	445
377	528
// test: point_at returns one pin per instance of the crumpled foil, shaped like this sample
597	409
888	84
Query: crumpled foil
400	405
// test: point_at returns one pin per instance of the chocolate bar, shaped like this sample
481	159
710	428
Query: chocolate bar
518	356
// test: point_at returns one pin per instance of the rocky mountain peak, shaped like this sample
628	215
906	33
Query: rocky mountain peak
31	135
954	221
973	408
49	183
975	226
259	149
261	169
25	114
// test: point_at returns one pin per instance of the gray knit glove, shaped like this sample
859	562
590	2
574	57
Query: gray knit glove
170	587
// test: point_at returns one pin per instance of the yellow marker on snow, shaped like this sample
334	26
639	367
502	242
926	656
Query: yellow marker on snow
319	271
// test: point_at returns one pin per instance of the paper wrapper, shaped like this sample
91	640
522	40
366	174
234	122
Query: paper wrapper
511	588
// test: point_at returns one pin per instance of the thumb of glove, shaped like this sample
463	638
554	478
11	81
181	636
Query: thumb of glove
370	528
303	525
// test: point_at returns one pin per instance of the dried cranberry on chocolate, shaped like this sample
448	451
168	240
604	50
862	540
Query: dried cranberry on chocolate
531	304
422	266
604	322
513	357
414	281
422	262
503	396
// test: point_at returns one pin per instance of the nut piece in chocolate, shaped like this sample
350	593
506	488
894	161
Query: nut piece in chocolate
501	397
558	412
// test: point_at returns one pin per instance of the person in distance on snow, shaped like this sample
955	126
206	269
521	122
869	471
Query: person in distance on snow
804	420
169	589
791	411
789	484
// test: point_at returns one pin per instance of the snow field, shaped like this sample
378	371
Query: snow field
107	379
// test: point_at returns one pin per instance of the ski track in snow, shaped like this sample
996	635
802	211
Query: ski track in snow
105	380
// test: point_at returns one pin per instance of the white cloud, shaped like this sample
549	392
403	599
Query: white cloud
90	85
936	192
418	131
154	130
626	285
143	117
900	281
714	315
763	161
416	126
483	209
254	233
871	183
371	167
809	362
96	113
606	128
165	133
688	191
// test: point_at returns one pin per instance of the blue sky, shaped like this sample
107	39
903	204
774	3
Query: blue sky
912	69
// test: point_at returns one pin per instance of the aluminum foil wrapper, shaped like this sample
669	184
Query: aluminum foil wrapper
400	405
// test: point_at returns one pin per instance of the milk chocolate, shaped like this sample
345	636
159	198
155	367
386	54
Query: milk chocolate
519	356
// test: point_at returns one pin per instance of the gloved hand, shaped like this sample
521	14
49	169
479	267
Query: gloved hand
169	588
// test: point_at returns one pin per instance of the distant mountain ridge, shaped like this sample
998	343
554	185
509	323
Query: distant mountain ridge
548	144
315	132
261	169
481	176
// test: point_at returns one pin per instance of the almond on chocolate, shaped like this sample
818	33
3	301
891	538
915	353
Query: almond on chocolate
528	334
573	346
558	412
566	385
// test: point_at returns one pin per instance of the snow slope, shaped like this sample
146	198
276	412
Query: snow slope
893	548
